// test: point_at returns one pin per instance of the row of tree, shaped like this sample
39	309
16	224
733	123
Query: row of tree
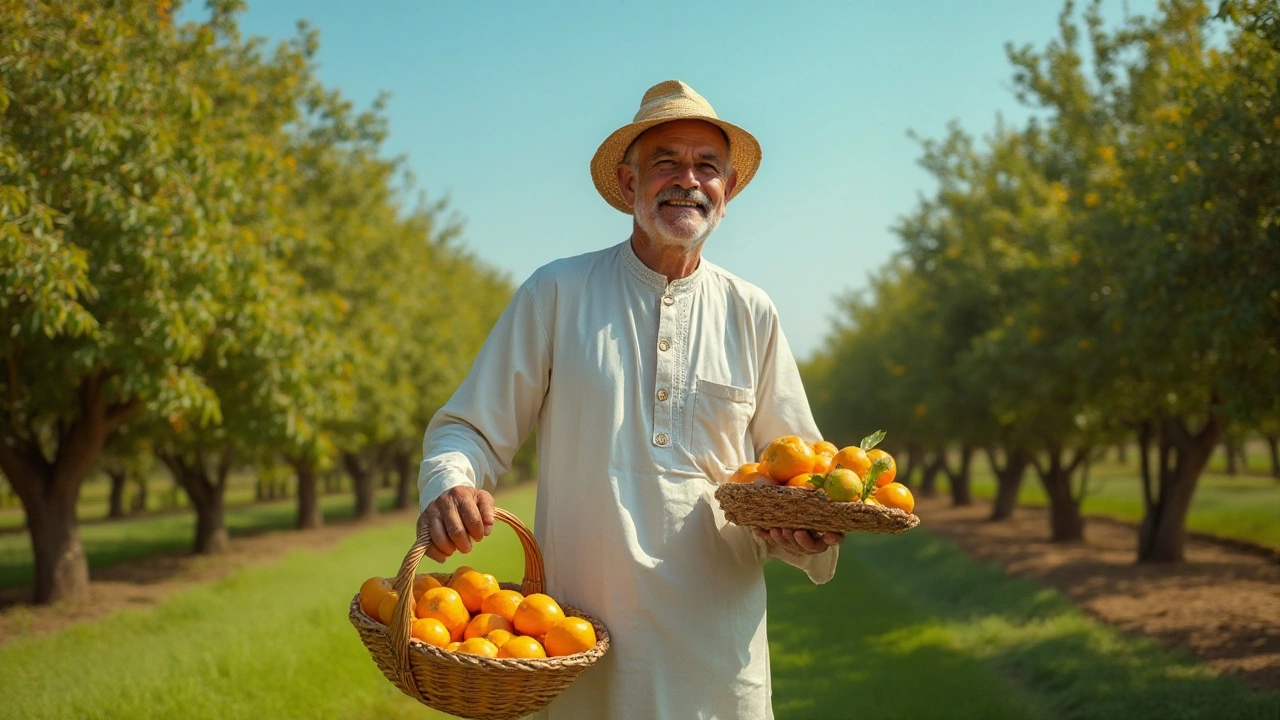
205	257
1105	273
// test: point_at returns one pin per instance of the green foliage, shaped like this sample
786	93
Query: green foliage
1108	266
198	237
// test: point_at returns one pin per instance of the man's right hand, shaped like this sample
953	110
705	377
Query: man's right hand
460	515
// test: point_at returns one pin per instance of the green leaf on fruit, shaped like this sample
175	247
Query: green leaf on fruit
871	440
878	468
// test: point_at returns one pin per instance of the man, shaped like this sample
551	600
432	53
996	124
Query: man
651	375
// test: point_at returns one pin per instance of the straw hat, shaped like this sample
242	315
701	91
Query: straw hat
664	102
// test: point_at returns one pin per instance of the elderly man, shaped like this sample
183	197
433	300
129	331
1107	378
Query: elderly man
651	374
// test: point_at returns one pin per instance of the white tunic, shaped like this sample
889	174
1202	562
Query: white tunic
645	394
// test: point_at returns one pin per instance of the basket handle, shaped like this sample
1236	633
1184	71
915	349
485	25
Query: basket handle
402	620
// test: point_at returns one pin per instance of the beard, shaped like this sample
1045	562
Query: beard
689	230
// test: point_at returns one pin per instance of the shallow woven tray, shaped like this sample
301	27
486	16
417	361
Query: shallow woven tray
471	686
770	506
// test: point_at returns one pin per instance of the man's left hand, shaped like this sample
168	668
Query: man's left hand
799	542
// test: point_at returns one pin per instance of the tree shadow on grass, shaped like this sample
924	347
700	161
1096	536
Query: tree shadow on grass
1071	666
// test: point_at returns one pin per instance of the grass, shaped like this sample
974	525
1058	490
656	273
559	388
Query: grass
269	641
141	536
910	627
1240	507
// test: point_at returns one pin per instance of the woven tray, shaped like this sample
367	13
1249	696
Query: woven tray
472	686
770	506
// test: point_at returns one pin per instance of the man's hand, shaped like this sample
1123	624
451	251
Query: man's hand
460	515
799	542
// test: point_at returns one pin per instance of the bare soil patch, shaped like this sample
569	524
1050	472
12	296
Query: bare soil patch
1222	604
145	582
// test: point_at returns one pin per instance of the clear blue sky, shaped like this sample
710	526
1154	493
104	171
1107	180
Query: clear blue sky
500	106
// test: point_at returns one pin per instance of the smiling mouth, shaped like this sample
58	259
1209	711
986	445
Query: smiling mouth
684	205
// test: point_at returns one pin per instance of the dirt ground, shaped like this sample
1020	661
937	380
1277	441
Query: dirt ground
1223	604
142	583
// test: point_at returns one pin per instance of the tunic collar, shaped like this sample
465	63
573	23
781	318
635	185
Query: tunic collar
656	279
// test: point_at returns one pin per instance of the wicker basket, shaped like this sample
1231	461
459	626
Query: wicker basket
469	685
770	506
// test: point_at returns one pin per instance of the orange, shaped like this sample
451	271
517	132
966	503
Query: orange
822	447
431	631
453	646
499	637
522	647
485	623
387	608
896	495
788	457
445	605
804	480
746	473
423	583
570	636
536	615
456	574
474	587
822	463
371	594
478	646
502	602
887	476
843	485
871	500
852	458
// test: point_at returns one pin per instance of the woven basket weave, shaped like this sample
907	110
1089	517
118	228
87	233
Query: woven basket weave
770	506
469	685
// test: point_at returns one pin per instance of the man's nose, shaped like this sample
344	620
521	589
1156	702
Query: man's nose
686	177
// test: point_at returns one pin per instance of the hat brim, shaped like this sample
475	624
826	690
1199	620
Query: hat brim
744	156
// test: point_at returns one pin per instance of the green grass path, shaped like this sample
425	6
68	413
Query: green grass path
946	638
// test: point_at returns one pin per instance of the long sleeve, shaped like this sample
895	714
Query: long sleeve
782	408
472	439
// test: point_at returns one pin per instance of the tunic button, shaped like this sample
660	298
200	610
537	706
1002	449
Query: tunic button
668	300
664	346
662	439
662	394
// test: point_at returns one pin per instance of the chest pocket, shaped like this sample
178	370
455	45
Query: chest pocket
718	439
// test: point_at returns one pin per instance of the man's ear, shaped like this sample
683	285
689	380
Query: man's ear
729	185
627	183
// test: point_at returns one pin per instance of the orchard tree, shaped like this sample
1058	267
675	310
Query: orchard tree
114	241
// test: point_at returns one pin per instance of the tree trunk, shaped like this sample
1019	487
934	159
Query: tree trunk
913	458
206	488
1273	442
119	480
1122	453
1065	522
1008	481
960	493
1162	535
49	491
309	515
139	503
929	478
406	482
363	484
1230	449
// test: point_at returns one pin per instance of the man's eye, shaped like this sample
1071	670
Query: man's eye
664	164
710	168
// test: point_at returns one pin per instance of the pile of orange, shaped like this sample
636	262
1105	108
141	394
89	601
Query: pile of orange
467	612
843	474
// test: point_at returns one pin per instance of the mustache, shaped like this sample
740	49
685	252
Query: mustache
691	195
